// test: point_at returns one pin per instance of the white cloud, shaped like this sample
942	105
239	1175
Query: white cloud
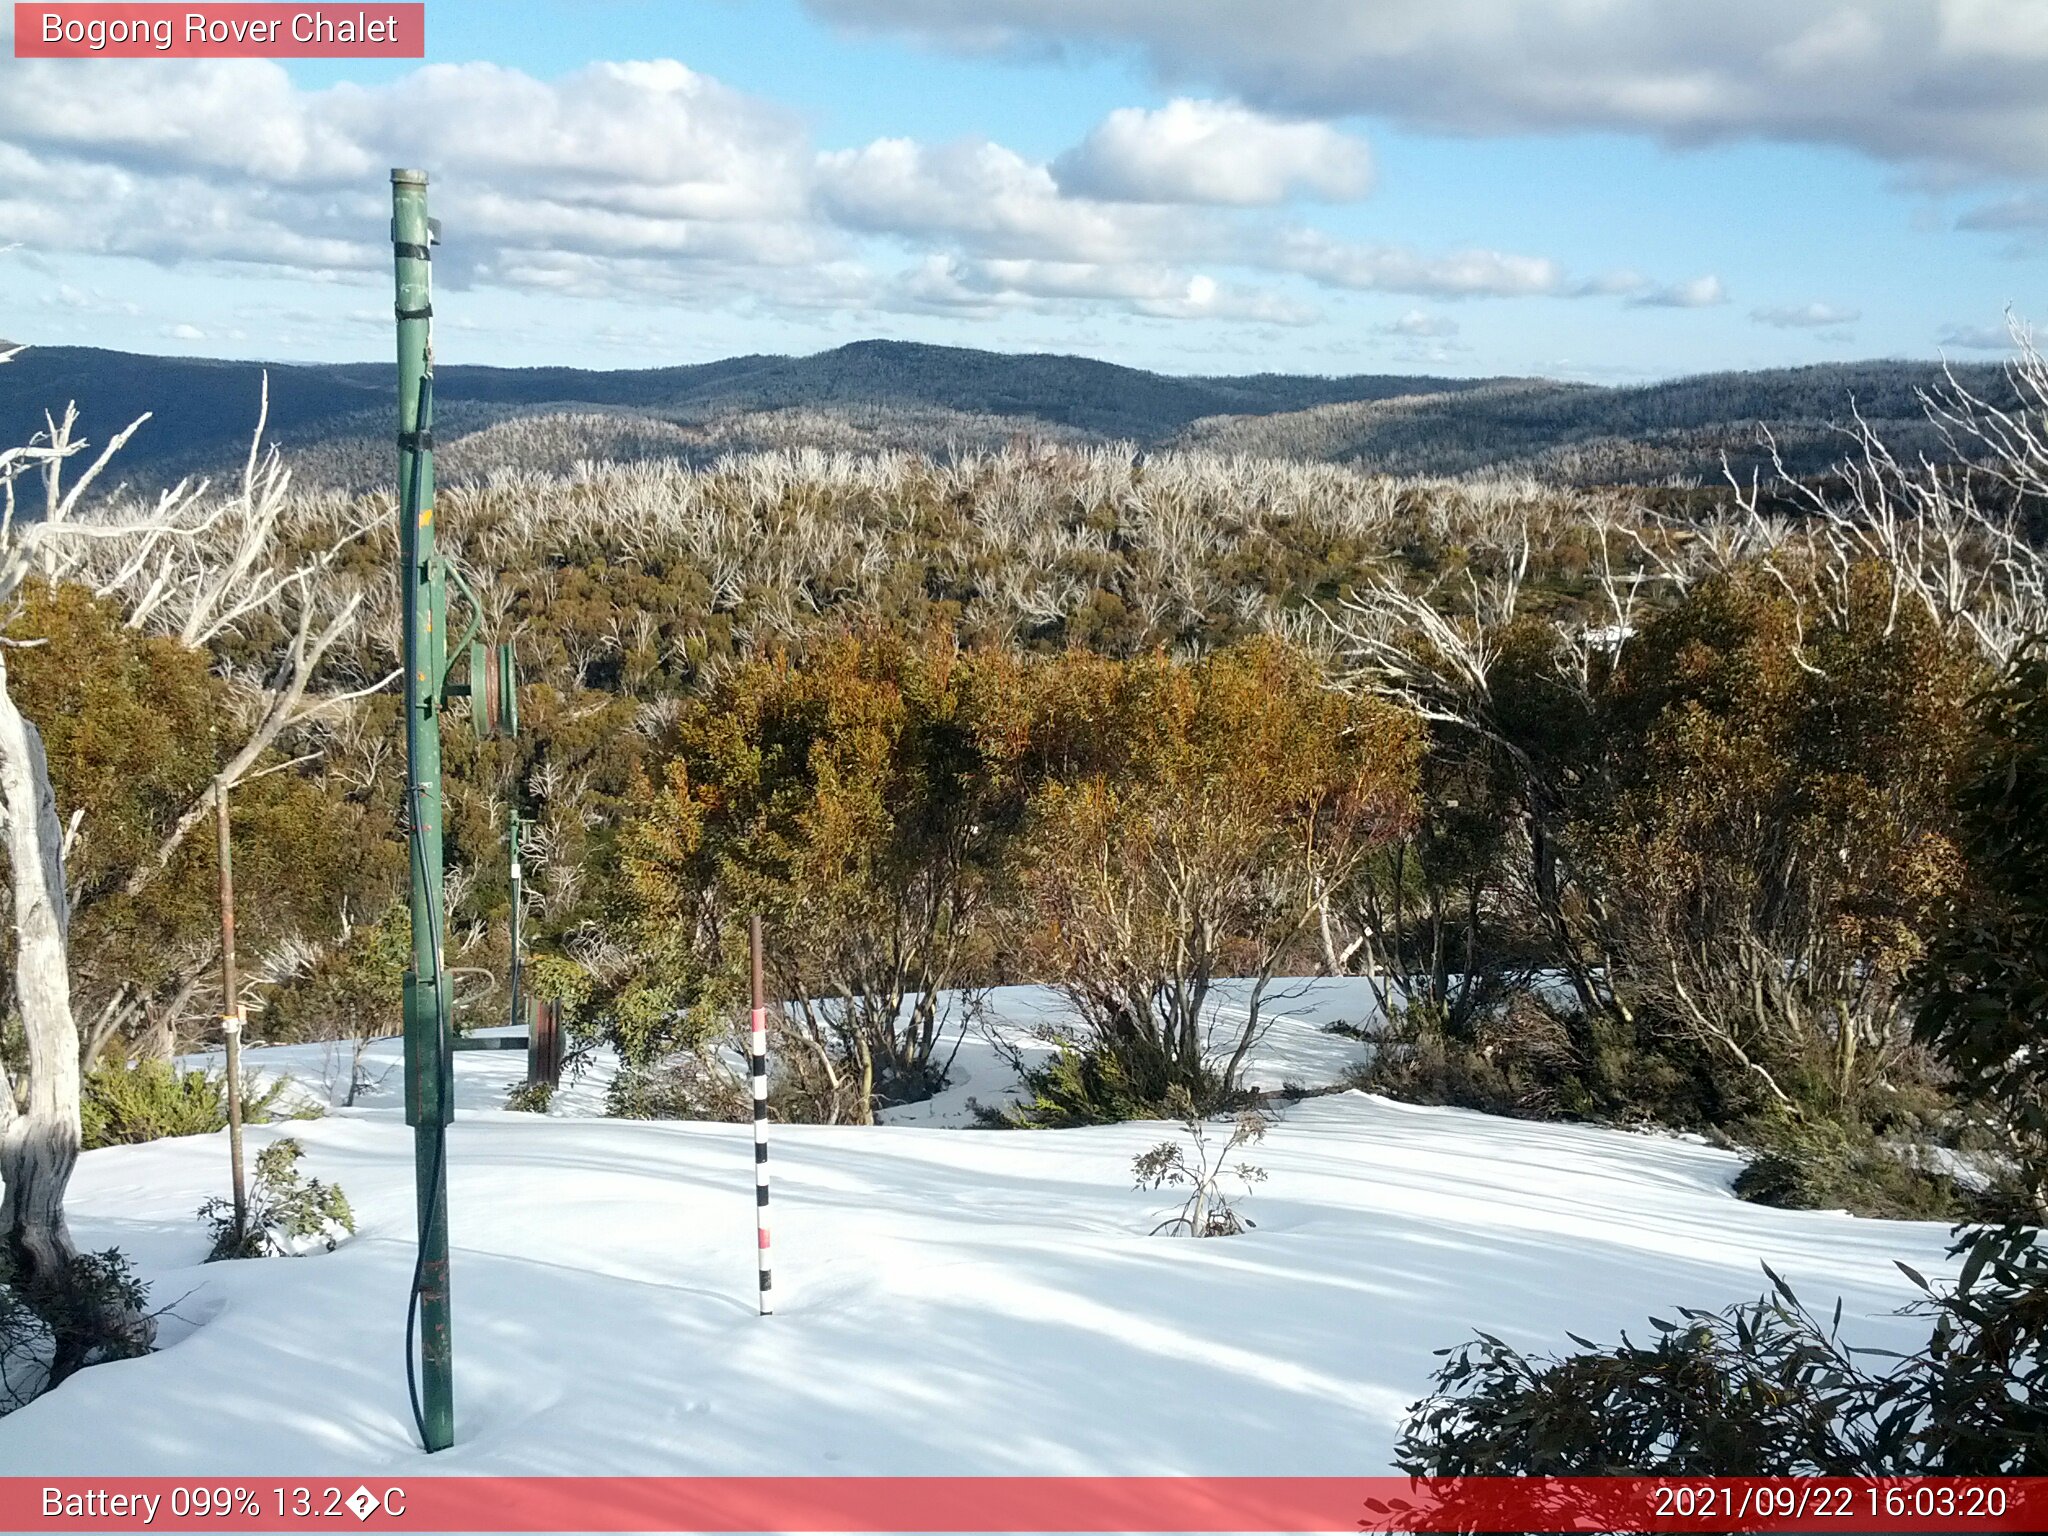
198	117
2024	216
1213	152
228	160
995	202
653	179
2027	211
1015	233
1976	338
183	332
89	301
1812	316
986	287
1695	293
1420	324
1953	86
1396	269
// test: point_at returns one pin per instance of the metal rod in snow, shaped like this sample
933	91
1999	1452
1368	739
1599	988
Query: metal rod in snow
231	1007
759	1053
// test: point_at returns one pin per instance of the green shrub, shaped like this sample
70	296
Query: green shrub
1097	1085
1418	1059
680	1088
1536	1063
534	1098
1983	983
287	1213
47	1331
122	1104
1818	1165
353	990
1764	1389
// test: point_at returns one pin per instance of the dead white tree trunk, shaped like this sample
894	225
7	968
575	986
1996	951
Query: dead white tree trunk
38	1139
206	569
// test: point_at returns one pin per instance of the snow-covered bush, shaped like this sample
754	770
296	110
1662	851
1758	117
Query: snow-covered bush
288	1214
1200	1166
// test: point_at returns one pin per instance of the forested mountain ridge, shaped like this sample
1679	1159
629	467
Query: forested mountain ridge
333	419
1586	434
200	402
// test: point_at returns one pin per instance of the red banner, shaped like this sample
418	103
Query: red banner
220	31
389	1502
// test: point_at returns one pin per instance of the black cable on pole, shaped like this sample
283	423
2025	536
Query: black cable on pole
423	426
442	1077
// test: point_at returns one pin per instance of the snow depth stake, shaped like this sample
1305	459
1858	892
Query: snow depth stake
759	1043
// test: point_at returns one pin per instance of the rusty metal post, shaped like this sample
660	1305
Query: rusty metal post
544	1041
518	905
532	1040
231	1006
551	1041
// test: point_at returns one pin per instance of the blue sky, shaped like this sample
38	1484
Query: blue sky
1599	189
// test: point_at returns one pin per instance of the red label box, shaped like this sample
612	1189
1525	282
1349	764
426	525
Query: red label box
109	30
1077	1506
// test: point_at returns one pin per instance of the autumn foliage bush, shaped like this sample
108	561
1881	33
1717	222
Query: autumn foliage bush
1181	821
914	819
1770	1388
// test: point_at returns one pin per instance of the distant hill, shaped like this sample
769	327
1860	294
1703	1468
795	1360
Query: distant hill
335	420
1681	428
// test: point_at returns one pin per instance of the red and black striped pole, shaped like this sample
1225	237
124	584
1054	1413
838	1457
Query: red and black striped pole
760	1065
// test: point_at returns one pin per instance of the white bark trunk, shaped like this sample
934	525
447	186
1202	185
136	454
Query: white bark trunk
39	1139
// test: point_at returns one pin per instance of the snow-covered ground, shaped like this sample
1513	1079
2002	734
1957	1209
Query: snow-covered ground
949	1300
1295	1047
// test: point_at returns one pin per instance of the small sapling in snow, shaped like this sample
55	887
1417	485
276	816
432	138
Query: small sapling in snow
1200	1167
288	1214
534	1098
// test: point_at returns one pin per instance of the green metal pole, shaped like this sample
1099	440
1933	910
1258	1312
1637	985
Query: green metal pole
429	1101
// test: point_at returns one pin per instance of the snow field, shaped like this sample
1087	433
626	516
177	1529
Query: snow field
948	1300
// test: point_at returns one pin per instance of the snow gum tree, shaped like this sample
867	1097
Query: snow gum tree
1182	821
858	797
189	568
1727	793
1771	829
1983	983
39	1127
